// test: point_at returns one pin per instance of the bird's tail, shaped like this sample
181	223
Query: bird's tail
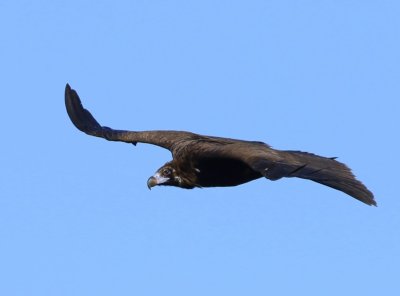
326	171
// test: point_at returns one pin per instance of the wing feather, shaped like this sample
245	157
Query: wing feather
323	170
85	122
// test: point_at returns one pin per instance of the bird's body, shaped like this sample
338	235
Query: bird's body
207	161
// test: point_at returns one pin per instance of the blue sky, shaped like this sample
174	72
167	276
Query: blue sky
76	217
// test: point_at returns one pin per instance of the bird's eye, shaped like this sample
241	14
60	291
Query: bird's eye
166	172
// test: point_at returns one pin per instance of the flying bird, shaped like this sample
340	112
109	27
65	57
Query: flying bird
207	161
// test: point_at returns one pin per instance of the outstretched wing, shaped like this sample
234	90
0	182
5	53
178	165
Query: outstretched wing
326	171
85	122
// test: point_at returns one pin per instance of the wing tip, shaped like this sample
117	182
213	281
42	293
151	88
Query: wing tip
72	105
359	191
372	201
80	117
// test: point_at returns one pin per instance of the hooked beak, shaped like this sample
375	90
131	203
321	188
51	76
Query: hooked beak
156	180
151	182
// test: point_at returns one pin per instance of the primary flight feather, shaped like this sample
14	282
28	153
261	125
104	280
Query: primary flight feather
206	161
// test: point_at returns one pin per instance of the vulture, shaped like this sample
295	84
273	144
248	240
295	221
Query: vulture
208	161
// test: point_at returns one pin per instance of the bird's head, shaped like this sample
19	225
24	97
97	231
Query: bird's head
168	175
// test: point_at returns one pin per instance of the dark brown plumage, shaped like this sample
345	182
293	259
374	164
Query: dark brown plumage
204	161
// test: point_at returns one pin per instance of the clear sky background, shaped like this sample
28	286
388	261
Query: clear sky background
76	217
